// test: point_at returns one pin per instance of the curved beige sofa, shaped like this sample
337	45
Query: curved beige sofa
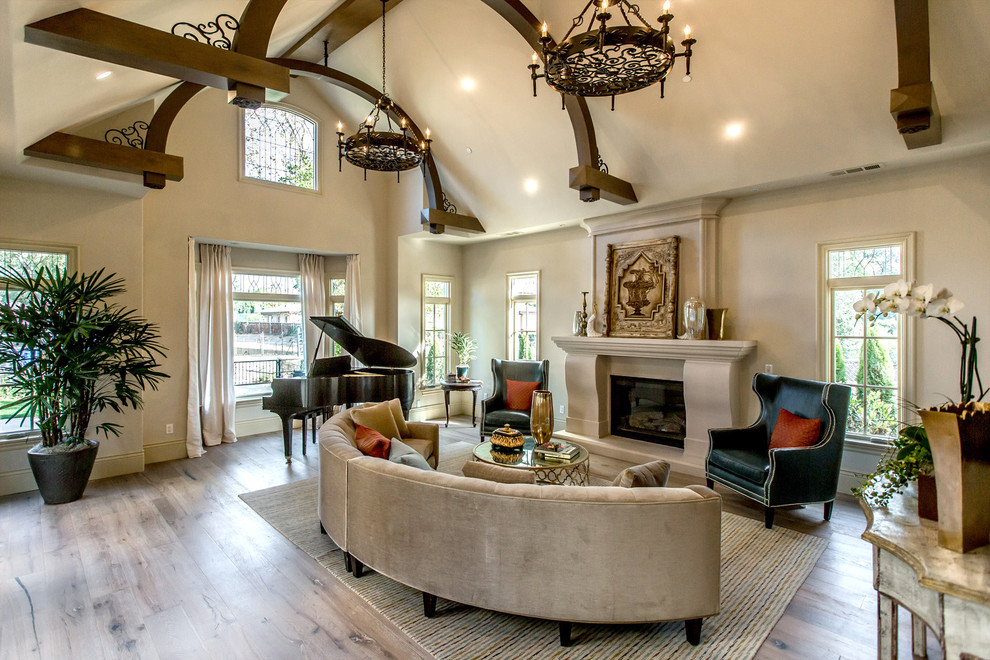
564	553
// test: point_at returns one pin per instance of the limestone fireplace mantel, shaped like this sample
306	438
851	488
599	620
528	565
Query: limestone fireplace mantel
708	368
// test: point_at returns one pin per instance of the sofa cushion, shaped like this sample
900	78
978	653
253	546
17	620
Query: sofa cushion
519	394
395	406
422	446
517	419
794	431
378	417
400	452
750	465
648	475
371	442
497	473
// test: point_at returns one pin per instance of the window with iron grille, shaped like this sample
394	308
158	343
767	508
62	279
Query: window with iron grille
268	337
280	147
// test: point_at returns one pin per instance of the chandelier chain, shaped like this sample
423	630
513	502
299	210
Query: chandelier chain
383	46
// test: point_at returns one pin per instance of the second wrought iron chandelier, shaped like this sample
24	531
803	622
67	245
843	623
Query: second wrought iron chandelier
382	150
611	60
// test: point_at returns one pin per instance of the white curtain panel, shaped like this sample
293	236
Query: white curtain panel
352	290
194	430
312	278
216	347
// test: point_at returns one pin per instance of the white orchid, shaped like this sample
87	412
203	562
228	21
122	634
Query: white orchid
904	297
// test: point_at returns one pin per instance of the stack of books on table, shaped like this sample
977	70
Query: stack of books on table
556	451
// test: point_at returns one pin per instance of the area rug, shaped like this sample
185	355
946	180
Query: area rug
762	569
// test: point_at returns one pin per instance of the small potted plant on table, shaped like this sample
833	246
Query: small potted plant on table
466	349
65	354
909	458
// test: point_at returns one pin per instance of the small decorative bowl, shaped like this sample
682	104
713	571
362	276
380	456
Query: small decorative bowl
507	438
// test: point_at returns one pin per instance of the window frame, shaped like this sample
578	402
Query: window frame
334	300
240	392
449	302
285	107
905	334
510	329
71	252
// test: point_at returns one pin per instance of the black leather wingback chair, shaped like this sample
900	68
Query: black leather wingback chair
494	413
741	459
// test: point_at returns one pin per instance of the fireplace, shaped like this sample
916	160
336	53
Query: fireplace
648	409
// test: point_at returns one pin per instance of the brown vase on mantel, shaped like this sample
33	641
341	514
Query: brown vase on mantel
927	497
960	440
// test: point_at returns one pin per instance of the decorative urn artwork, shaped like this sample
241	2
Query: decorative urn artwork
641	293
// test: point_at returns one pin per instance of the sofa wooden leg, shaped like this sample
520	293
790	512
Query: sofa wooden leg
710	483
828	510
565	633
429	605
692	628
347	562
323	530
768	516
357	568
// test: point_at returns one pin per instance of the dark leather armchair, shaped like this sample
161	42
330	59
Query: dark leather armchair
494	413
741	459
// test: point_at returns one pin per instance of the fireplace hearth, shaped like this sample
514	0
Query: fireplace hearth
648	409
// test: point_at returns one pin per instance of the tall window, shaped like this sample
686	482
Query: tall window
436	326
871	357
268	338
336	301
523	321
33	257
280	146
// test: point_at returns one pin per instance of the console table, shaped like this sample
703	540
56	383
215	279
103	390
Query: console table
944	590
460	386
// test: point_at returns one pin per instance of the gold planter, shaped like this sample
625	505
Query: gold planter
960	441
541	416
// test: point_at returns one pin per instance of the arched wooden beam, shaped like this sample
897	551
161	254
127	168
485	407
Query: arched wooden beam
252	39
435	215
161	123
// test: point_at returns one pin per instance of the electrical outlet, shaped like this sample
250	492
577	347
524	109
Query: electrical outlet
768	368
562	410
169	428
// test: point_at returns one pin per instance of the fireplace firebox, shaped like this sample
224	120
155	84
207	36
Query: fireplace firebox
648	409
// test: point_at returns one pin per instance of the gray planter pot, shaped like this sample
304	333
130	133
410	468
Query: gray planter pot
63	477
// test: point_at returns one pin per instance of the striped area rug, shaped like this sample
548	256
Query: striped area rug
761	571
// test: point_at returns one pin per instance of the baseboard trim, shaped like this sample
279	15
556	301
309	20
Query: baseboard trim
22	481
267	424
169	450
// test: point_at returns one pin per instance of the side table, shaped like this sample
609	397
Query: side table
473	385
945	591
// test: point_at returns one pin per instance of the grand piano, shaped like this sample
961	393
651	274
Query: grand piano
331	381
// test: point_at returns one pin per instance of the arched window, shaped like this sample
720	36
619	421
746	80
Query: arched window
280	146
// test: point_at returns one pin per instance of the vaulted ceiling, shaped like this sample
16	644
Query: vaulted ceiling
809	84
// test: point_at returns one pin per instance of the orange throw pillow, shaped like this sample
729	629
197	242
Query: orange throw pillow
519	394
794	431
371	442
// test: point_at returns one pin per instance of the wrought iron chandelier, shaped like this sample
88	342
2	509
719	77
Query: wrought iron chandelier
611	60
382	150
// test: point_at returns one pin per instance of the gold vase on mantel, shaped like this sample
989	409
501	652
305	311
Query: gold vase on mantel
960	440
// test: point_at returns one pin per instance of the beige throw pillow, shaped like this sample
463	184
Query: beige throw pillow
400	421
378	417
502	475
647	475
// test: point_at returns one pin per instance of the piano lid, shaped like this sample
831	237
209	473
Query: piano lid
367	350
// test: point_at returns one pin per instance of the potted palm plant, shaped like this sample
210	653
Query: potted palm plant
67	353
466	349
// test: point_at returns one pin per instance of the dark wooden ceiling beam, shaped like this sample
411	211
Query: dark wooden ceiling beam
105	155
110	39
345	21
913	104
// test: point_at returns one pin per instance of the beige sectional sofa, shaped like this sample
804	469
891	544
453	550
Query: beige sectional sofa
564	553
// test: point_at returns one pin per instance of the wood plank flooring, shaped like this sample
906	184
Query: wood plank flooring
170	563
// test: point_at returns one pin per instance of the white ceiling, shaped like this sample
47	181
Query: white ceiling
808	82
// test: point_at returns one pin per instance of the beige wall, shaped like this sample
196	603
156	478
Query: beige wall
563	258
107	230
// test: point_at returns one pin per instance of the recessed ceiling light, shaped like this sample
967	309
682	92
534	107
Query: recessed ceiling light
733	130
531	185
469	150
467	84
104	75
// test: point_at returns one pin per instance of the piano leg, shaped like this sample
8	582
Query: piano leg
287	436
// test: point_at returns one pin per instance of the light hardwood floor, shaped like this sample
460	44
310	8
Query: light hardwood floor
170	563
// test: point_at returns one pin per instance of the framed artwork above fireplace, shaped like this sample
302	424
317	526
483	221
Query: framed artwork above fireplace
641	289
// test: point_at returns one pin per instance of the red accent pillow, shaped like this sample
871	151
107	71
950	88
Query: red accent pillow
371	442
519	394
794	431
